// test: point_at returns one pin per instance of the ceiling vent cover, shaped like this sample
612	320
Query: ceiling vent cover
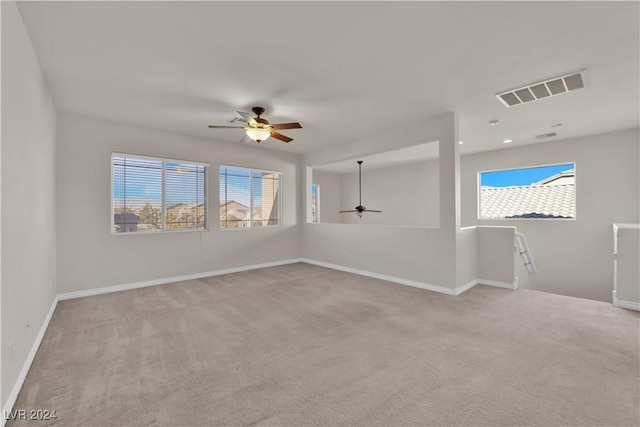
546	135
543	89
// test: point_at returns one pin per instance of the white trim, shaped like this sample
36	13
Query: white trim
626	226
163	203
155	282
630	305
408	282
479	193
466	287
401	281
427	286
251	174
13	395
166	280
497	284
620	226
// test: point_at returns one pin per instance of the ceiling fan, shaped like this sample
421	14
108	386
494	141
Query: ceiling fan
259	129
359	210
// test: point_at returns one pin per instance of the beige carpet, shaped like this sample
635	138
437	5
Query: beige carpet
303	345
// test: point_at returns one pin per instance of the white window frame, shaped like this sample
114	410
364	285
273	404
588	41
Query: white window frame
479	191
162	206
251	171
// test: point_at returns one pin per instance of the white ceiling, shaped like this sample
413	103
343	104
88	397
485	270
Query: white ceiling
342	69
396	157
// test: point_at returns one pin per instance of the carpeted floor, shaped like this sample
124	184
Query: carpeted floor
302	345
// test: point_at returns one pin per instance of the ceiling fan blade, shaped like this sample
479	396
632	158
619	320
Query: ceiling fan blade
248	118
351	211
226	127
370	210
280	136
286	126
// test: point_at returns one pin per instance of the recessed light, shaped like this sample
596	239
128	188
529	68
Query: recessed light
460	142
556	125
506	141
494	123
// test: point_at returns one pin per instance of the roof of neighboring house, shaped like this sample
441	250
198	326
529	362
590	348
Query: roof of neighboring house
232	204
564	177
529	201
127	218
185	206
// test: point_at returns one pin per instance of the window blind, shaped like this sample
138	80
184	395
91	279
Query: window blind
155	195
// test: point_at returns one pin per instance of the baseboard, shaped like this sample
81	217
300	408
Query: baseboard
166	280
497	284
630	305
13	395
427	286
465	287
408	282
393	279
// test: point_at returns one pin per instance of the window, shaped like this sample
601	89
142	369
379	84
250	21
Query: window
154	195
541	192
315	203
249	198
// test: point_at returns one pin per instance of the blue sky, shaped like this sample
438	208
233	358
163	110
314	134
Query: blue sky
525	176
184	183
143	183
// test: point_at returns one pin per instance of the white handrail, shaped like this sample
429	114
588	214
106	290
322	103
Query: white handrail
525	253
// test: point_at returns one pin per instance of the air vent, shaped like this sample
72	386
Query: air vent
539	90
545	135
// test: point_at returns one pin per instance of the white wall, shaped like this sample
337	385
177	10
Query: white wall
467	255
573	257
425	255
496	254
28	262
407	195
330	195
627	272
89	256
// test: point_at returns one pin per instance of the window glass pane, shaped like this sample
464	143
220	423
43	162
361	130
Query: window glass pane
540	192
235	198
266	209
137	195
184	196
315	202
249	198
151	195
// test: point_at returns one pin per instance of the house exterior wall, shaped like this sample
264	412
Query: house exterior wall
573	257
28	252
89	256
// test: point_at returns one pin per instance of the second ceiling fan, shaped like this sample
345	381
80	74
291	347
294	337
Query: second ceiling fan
259	129
359	210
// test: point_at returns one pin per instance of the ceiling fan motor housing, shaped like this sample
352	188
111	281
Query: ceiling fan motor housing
257	110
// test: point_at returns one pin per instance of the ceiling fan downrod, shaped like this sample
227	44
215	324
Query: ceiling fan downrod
360	183
359	210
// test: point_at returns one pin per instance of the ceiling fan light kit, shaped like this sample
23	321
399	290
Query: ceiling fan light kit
360	210
258	134
259	129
